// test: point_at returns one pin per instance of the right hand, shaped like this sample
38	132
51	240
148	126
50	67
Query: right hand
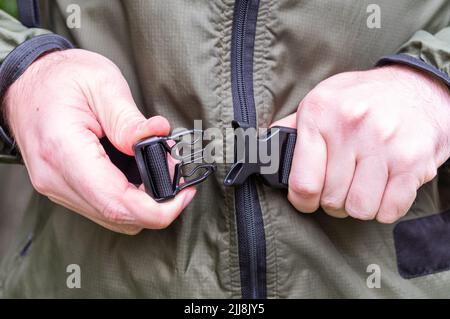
57	111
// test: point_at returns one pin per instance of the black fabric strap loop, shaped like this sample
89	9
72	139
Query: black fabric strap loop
286	158
159	170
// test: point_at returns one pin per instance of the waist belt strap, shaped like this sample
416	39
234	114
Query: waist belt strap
287	153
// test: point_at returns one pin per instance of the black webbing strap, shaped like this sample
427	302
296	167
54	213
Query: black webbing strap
29	13
158	170
286	158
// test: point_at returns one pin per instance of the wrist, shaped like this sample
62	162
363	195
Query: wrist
432	99
12	68
435	95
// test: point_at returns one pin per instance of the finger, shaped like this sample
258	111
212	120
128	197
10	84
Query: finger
109	192
398	198
154	215
89	212
308	169
121	119
288	121
64	195
367	188
338	179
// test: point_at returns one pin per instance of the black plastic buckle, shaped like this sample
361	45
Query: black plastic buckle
190	166
243	167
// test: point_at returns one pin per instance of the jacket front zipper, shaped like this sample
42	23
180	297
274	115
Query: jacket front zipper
250	226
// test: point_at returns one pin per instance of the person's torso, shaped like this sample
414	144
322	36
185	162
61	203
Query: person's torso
176	56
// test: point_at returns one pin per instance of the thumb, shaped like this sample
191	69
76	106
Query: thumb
288	121
121	120
128	131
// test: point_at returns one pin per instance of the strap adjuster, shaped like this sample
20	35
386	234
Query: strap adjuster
151	157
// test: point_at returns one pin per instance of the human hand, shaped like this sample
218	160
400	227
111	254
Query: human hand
367	141
57	111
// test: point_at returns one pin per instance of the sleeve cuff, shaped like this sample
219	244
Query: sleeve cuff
15	65
417	63
22	56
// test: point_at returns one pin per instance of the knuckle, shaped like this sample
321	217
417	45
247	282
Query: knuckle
409	157
315	101
130	230
302	206
354	206
430	174
161	221
352	114
40	184
337	213
388	218
165	214
331	204
115	213
304	190
321	94
381	132
163	224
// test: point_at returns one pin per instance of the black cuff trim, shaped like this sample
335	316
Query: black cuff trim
22	56
415	63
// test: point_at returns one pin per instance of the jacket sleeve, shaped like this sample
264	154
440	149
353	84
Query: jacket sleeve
427	52
19	47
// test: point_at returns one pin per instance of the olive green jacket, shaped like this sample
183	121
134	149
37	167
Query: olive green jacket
176	58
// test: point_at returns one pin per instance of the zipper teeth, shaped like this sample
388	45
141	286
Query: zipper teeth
242	94
248	188
252	239
240	48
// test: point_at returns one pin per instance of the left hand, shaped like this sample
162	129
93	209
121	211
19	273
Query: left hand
367	141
